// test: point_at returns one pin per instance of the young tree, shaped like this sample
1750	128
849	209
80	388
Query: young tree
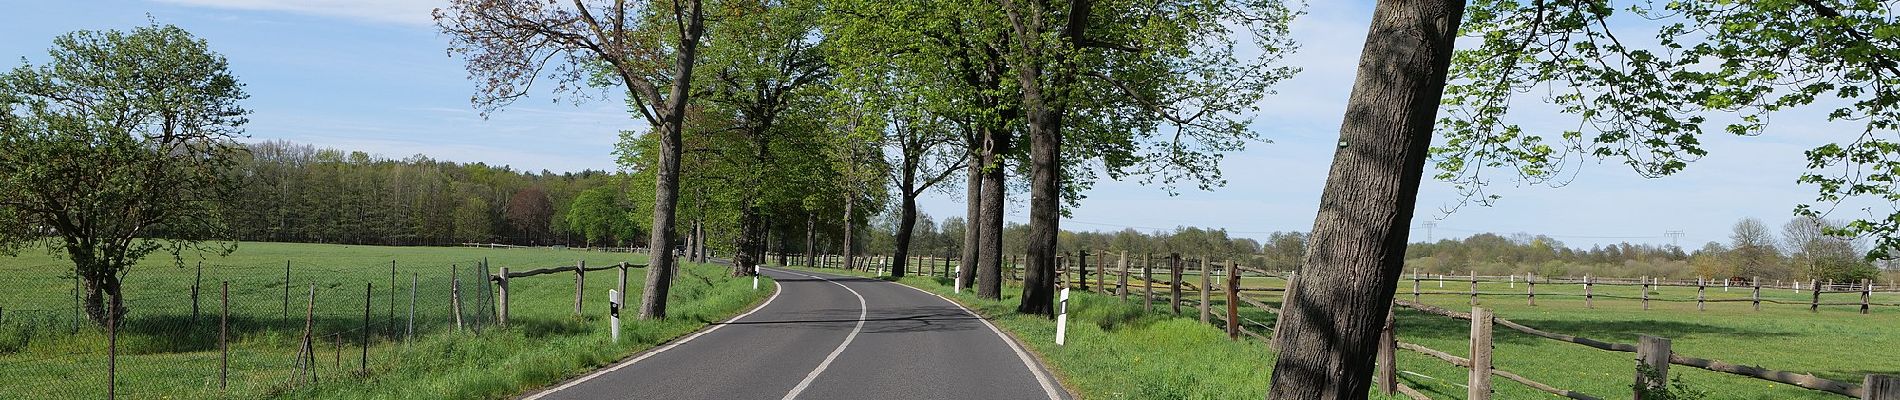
118	147
508	45
1640	105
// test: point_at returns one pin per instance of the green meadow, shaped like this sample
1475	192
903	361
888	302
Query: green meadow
1115	350
165	353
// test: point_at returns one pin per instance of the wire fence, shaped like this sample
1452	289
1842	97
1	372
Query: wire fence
267	329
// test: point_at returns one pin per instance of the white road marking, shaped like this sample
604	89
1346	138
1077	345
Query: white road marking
863	311
1048	386
776	290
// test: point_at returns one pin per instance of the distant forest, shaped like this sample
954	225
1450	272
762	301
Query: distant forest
301	193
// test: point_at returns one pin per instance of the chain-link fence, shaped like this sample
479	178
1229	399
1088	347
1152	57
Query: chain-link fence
264	329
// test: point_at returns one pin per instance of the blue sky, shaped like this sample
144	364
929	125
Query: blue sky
372	75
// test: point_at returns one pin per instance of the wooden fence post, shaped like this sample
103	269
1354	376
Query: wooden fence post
286	289
1414	287
622	285
195	282
1652	356
224	337
1148	284
1121	282
1207	286
1101	273
1175	268
1814	305
309	328
1645	282
502	295
390	328
455	295
1233	302
1480	379
1530	288
1880	387
1474	287
580	285
1756	295
363	363
1589	297
1082	270
410	331
1866	295
1387	357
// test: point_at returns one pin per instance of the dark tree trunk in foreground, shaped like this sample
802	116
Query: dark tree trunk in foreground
972	229
850	206
989	276
1330	328
811	239
907	220
667	178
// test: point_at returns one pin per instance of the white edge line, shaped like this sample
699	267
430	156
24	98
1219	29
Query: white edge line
864	310
776	289
1028	362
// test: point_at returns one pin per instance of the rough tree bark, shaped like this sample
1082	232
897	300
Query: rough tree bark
1045	71
989	277
973	212
666	185
1331	325
850	206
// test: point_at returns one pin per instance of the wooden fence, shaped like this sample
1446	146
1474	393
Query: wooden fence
1651	352
1073	272
580	269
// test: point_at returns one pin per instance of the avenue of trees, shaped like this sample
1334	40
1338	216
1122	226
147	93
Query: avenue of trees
781	125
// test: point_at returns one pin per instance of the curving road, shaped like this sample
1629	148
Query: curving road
825	336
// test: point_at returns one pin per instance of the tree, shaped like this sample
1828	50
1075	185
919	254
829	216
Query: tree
765	64
529	212
1147	65
1643	106
119	146
509	44
1816	254
472	221
1752	251
600	217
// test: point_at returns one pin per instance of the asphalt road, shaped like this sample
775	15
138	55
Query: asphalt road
826	336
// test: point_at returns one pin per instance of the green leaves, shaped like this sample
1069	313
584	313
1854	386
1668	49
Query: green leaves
1648	105
118	147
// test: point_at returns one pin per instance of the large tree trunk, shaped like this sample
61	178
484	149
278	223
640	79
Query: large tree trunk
972	228
850	206
750	233
989	277
666	183
1331	324
811	239
97	284
1045	196
907	220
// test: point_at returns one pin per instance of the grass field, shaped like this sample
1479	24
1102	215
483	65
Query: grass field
1116	354
166	354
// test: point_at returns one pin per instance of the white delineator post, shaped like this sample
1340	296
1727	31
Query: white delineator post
959	278
755	281
613	312
1062	317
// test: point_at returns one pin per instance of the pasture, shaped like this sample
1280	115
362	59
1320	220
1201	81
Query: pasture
165	353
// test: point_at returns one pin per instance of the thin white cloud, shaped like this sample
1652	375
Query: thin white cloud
407	12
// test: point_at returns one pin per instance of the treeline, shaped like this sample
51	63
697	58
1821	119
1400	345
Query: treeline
1804	250
292	192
